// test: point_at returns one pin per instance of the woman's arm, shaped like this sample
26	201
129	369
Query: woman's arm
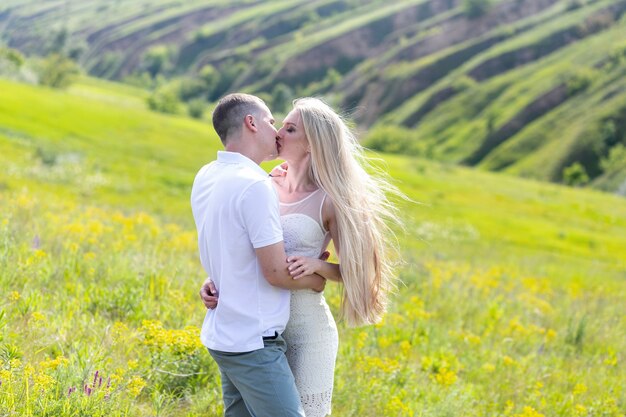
300	266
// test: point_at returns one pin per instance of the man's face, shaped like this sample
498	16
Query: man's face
266	133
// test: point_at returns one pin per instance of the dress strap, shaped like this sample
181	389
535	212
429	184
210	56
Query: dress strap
321	215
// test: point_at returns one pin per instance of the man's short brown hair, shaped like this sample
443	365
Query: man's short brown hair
230	111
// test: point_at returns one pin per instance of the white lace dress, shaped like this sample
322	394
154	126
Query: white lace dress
311	332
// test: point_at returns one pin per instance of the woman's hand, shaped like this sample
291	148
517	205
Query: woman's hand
300	266
279	170
208	294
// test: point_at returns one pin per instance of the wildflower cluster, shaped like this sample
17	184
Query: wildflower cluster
176	341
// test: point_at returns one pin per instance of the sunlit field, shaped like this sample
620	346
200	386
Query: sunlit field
510	301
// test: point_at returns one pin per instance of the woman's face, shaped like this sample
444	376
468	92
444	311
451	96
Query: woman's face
293	144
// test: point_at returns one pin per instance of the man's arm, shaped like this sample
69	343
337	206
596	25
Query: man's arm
273	261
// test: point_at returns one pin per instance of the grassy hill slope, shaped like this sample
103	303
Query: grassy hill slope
504	90
506	282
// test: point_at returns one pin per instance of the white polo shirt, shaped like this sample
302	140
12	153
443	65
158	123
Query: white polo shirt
236	210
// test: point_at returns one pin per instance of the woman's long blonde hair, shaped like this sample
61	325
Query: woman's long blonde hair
363	211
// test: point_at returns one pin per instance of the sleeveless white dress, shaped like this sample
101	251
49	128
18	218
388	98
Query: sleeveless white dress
311	333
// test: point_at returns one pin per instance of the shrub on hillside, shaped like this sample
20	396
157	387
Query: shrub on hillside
579	80
282	96
157	60
13	56
57	71
14	66
476	8
230	70
210	76
196	108
615	160
140	79
164	100
574	4
191	88
390	139
575	175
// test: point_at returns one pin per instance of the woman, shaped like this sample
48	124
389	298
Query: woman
326	195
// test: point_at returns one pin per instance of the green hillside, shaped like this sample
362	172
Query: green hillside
534	87
507	283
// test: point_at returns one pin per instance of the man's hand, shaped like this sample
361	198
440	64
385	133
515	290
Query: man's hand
320	285
208	294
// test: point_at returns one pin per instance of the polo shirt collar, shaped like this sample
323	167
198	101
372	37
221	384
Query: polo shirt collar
237	158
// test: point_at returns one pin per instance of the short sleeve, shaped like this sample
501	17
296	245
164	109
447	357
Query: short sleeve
261	214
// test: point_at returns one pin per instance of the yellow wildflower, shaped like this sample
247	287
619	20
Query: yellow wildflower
375	363
14	296
396	406
580	410
516	327
509	361
37	256
489	367
28	370
24	202
444	377
119	330
54	363
95	228
405	348
183	241
5	375
43	382
185	341
38	317
130	237
136	385
508	407
89	256
579	389
384	342
143	218
611	360
360	342
117	376
529	412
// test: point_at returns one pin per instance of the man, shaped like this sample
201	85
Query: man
241	248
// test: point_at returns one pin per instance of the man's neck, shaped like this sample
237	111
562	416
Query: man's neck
239	147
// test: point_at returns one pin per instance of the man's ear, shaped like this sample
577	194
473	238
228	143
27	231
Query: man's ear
250	123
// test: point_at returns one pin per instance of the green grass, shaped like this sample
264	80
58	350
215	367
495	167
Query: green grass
511	302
